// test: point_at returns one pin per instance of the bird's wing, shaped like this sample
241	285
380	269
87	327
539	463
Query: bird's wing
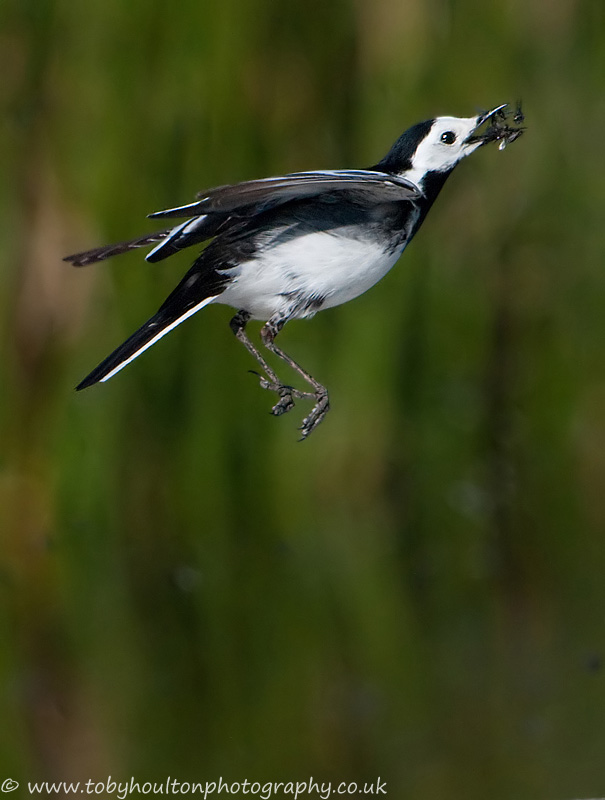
170	241
109	250
218	207
253	197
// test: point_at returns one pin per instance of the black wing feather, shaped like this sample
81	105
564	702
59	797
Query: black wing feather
190	232
254	197
109	250
225	204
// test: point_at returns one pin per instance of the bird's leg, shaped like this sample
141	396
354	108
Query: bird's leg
271	382
322	402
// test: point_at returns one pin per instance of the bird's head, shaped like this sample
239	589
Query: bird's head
437	145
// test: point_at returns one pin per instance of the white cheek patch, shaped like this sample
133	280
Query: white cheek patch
433	155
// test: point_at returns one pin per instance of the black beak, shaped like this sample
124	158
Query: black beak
487	114
497	130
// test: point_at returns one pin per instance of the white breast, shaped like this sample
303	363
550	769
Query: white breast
320	264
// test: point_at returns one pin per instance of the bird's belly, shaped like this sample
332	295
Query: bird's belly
317	270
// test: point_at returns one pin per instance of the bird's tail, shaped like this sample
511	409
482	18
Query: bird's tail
165	320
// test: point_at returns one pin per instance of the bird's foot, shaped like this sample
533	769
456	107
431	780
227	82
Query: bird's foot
319	411
286	394
285	402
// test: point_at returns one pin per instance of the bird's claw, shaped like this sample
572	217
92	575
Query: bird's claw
286	402
318	412
286	394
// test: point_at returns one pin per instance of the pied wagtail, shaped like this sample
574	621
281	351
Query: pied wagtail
284	248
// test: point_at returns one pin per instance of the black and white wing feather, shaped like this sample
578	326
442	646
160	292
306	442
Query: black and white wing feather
110	250
217	209
253	197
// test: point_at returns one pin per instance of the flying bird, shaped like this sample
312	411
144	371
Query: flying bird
287	247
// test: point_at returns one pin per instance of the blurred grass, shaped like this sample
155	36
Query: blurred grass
417	591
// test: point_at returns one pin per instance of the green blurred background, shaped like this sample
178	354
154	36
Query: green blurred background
416	592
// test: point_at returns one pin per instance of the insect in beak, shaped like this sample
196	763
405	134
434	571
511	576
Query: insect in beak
498	129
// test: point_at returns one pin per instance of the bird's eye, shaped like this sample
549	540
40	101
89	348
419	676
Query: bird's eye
449	137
